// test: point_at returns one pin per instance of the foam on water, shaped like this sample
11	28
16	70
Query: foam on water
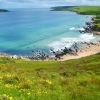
68	42
87	37
81	29
72	28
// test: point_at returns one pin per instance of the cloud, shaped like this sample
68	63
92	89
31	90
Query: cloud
34	3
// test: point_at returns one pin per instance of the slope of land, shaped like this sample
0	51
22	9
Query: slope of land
3	10
88	10
50	80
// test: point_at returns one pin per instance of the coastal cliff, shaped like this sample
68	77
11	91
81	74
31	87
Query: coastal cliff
3	10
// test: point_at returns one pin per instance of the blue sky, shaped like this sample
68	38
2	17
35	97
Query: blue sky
44	3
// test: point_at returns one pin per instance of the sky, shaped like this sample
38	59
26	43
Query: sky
45	3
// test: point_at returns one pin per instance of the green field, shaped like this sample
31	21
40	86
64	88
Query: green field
50	80
88	10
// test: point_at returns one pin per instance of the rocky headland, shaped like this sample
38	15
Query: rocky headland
3	10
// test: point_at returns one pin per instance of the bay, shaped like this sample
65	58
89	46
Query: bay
24	30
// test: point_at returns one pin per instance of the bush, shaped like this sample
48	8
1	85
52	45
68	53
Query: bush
25	85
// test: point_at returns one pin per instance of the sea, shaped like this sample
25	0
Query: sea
23	30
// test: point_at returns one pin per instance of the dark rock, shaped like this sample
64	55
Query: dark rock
3	10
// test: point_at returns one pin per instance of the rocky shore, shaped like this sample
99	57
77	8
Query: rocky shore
91	27
77	50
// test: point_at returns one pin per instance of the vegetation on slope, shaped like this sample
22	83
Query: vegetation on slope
88	10
50	80
97	22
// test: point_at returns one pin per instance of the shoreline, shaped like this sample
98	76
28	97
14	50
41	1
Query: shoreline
90	50
90	28
92	47
64	54
86	50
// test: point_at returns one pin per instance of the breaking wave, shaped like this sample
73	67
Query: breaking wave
68	42
72	28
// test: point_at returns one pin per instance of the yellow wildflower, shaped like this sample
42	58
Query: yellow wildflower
11	98
4	95
28	93
38	92
8	75
48	81
0	77
7	85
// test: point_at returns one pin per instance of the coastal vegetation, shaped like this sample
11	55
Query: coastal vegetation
97	22
3	10
88	10
77	79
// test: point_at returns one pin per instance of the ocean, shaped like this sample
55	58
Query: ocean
25	30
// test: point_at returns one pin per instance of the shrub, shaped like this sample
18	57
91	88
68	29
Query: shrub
8	80
25	85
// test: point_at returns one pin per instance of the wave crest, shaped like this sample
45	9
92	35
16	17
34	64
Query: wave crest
72	28
68	42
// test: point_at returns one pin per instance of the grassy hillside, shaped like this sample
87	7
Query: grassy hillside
89	10
50	80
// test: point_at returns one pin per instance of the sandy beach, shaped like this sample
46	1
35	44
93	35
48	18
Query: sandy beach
86	51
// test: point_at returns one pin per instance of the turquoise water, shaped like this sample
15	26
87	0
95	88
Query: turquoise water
24	30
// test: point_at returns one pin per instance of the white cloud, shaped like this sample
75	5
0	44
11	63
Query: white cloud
32	3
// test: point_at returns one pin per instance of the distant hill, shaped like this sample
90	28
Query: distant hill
61	8
3	10
88	10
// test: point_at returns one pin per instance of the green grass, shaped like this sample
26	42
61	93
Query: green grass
88	10
77	79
